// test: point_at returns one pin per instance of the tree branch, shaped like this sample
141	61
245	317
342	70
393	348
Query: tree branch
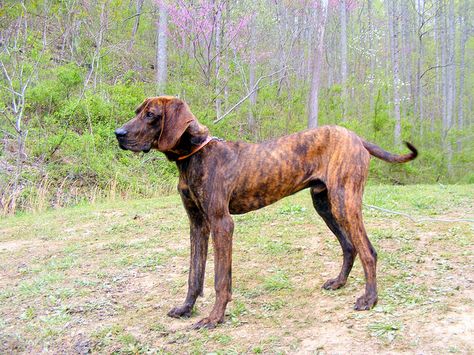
435	67
135	15
255	88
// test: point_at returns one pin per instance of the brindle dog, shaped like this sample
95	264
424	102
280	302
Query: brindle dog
218	179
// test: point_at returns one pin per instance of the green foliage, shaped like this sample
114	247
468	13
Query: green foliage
82	88
55	88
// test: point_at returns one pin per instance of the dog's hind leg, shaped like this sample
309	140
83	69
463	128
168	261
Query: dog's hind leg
345	203
322	205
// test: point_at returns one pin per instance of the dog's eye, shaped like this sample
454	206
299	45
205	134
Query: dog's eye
149	115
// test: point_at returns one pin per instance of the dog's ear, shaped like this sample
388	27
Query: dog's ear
142	106
176	119
197	132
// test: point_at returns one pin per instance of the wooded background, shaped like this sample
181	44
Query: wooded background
74	70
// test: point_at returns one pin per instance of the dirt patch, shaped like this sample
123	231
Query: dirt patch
14	245
455	327
106	286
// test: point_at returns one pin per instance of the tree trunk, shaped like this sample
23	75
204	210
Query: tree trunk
282	19
309	40
372	55
462	68
393	20
226	57
451	68
343	21
218	41
419	64
451	85
161	54
252	65
138	8
316	66
99	41
406	58
438	78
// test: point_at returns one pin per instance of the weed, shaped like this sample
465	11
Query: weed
29	313
291	209
275	247
385	329
6	294
237	310
60	264
222	339
273	305
40	284
106	335
277	281
405	293
159	328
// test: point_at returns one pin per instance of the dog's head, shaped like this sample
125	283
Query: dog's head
159	124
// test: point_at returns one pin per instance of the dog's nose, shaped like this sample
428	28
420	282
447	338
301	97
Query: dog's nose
120	132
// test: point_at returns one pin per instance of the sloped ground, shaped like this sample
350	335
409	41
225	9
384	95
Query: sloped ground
101	278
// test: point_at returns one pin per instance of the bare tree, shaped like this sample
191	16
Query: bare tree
405	60
450	67
438	61
343	22
161	48
317	65
462	66
97	34
450	81
393	25
219	33
18	70
421	31
252	68
137	15
371	34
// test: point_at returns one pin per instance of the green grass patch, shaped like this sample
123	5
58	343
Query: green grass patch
111	271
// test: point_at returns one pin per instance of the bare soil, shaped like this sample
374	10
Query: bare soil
101	278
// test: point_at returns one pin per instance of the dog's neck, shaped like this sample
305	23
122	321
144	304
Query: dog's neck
193	139
198	148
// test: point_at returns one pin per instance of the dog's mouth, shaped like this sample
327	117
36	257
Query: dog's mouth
134	148
122	146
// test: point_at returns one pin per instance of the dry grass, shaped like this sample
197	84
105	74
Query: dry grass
102	277
35	197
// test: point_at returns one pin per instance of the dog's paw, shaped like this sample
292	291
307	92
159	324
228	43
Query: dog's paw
366	302
206	323
333	284
180	312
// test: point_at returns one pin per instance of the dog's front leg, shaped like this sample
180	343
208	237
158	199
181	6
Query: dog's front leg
222	229
199	232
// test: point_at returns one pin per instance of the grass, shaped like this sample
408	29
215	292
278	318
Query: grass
102	277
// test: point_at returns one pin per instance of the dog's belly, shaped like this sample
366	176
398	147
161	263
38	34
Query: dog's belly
257	189
242	204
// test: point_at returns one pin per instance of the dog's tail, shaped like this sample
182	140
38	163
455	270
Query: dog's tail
378	152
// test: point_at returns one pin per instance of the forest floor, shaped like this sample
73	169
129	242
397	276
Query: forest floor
101	278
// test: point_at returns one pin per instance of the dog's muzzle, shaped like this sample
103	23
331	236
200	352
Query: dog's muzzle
120	133
125	144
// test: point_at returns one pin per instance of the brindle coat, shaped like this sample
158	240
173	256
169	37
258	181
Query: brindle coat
224	178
